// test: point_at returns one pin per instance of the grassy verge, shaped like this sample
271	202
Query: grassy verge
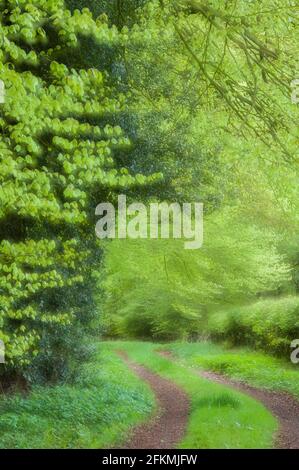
219	417
255	368
95	412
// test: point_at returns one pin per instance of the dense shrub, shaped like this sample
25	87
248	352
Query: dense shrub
270	324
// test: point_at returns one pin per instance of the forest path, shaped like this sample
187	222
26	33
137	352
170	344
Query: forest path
167	428
281	404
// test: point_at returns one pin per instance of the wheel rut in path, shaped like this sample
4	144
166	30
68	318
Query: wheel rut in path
281	404
167	428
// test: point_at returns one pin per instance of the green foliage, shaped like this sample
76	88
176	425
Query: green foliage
245	54
165	111
98	105
156	288
220	77
211	87
119	12
94	412
59	137
270	324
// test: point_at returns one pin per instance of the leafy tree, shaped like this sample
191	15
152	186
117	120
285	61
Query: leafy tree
59	138
210	86
156	288
245	54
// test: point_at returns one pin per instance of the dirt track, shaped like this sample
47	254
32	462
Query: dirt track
282	405
168	426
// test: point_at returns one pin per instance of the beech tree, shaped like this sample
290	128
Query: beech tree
59	137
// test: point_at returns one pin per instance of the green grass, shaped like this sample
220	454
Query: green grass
95	412
107	400
255	368
220	417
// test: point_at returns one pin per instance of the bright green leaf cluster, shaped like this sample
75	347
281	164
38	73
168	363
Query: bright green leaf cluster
57	147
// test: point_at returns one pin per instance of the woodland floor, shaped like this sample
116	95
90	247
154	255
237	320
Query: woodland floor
167	427
282	405
135	394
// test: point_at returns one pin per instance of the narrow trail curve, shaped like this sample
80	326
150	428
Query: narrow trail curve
281	404
168	427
